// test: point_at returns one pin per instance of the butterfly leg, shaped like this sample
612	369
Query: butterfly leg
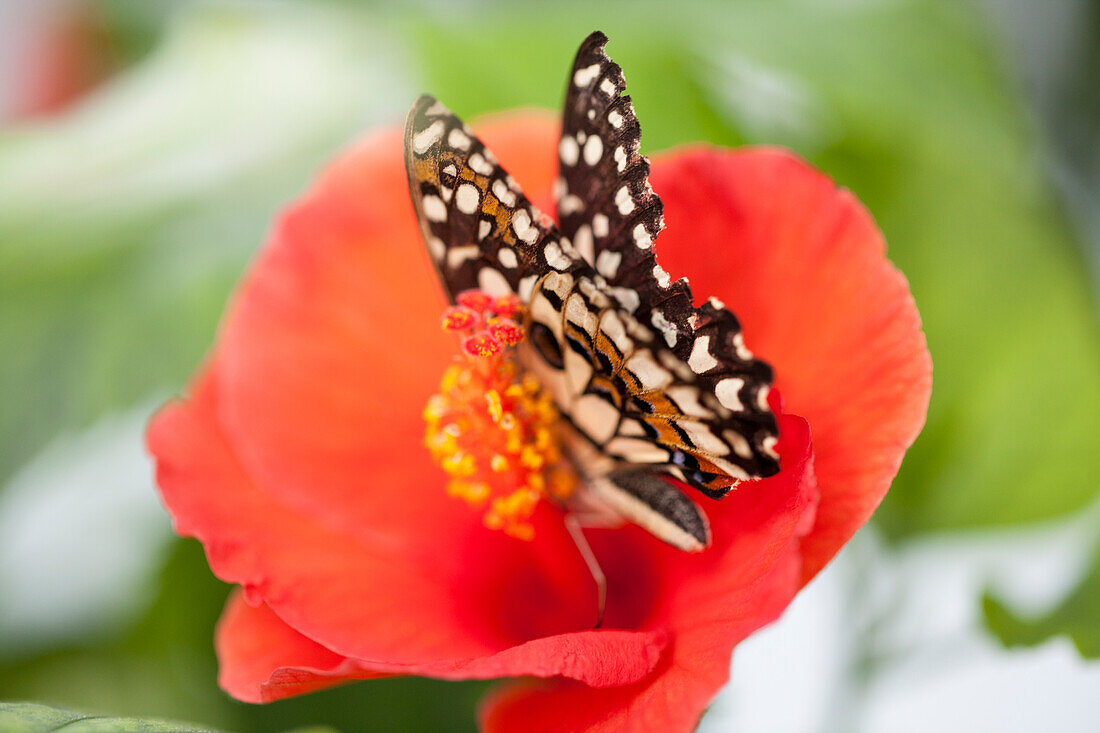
573	523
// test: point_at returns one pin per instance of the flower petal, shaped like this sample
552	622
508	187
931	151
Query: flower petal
384	612
333	345
672	698
261	658
803	266
709	601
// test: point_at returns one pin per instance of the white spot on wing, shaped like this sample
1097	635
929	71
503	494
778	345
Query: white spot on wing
458	139
661	276
739	344
637	451
584	243
620	158
571	204
479	165
492	282
503	193
615	118
434	208
623	201
593	150
703	438
662	324
769	446
740	446
457	255
527	287
726	391
651	374
641	235
687	399
596	417
607	263
436	248
578	370
507	257
555	257
427	137
521	225
762	397
628	298
600	225
701	360
467	197
568	150
584	77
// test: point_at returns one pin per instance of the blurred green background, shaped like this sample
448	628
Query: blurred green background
145	146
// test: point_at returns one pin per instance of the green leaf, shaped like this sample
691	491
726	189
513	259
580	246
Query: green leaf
25	717
1077	617
906	104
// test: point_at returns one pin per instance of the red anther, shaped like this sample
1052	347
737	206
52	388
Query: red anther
506	306
481	343
477	300
506	331
459	318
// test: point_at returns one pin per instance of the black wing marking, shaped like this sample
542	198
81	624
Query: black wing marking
629	394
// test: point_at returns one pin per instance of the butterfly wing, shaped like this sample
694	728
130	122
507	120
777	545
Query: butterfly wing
612	215
480	230
606	206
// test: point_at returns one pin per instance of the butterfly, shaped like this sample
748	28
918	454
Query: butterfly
648	384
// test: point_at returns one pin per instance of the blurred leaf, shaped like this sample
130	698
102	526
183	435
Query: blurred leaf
124	224
23	717
82	537
906	104
1078	617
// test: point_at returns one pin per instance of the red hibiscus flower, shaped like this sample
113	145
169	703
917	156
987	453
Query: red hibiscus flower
297	456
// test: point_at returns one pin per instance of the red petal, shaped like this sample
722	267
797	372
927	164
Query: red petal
670	700
372	603
262	659
709	601
333	346
803	266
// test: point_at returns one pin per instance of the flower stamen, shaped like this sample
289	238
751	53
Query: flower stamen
491	427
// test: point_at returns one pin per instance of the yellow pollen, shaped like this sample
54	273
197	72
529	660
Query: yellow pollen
493	431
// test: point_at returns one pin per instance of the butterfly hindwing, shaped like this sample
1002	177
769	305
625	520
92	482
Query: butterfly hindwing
627	391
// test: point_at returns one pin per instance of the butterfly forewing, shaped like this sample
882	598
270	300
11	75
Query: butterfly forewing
605	203
480	230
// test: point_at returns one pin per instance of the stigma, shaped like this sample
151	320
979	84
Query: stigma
491	427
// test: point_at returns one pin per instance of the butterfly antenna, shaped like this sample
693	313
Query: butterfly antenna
577	533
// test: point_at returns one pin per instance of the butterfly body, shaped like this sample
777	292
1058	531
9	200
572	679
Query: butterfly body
648	384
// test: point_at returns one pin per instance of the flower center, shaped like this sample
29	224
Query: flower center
491	427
